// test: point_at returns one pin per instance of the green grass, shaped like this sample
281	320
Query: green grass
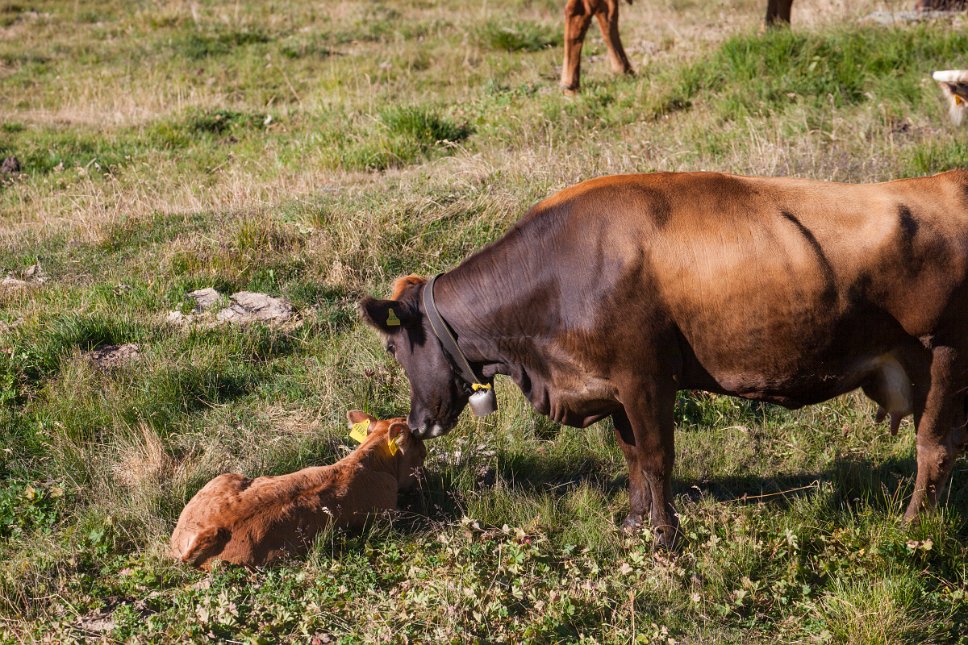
317	154
513	36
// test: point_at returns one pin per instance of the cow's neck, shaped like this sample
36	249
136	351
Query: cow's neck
501	304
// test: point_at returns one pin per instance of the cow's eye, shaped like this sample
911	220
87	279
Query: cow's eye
392	349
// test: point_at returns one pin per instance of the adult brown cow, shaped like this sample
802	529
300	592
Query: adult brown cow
608	297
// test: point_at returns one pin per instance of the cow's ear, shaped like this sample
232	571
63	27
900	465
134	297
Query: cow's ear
358	416
386	315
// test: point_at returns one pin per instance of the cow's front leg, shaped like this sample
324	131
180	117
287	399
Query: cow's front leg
577	19
645	433
941	431
640	495
778	13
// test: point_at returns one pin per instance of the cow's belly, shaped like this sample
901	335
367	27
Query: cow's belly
806	357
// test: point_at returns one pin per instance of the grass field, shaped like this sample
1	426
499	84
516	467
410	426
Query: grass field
317	150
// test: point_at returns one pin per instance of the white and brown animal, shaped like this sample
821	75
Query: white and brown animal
251	522
954	86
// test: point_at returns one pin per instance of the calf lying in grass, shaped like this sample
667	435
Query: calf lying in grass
253	521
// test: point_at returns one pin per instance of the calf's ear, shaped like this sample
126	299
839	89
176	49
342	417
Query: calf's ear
399	432
387	316
357	416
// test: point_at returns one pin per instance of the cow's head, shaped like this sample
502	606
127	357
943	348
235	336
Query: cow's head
437	394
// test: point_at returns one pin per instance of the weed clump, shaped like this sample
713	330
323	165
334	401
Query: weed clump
197	46
519	36
425	127
221	121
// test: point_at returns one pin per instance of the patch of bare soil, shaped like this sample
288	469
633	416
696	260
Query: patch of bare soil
112	356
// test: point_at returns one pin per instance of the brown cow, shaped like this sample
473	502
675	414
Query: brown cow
253	521
578	17
608	297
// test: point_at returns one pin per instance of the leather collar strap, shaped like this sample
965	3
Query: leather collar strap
442	332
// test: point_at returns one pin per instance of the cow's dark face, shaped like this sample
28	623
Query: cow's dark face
437	395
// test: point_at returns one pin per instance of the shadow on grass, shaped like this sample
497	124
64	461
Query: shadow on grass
884	487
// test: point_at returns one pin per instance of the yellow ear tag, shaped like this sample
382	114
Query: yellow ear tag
359	430
392	445
392	320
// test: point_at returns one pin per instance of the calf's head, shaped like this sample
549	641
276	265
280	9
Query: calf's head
407	458
437	394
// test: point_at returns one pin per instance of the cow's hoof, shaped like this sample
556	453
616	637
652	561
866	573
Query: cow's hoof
665	536
632	523
569	91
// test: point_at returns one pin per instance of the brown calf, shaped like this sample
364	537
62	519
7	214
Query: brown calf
578	16
253	521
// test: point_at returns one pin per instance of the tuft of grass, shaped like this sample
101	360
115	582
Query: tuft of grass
425	127
221	121
758	75
198	45
518	36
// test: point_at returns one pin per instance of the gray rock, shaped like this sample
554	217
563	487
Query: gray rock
177	317
35	274
32	275
11	282
248	306
204	299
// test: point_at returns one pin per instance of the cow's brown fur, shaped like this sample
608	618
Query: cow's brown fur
607	298
578	17
251	522
778	12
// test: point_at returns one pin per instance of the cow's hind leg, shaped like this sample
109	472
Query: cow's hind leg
577	20
645	434
941	431
608	22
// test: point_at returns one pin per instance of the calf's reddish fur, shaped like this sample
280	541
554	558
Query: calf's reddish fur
254	521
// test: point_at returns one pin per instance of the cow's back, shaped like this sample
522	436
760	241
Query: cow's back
774	284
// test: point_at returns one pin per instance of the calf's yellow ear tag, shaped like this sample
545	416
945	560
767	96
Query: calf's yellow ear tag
359	431
392	445
392	320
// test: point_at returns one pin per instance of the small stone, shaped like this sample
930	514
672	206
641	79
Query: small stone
204	299
35	274
11	282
